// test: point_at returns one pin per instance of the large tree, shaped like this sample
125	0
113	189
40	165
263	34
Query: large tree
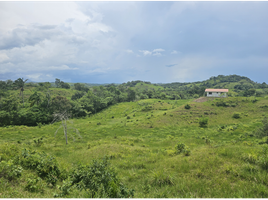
20	84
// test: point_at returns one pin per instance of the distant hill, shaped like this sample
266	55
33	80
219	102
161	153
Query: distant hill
221	81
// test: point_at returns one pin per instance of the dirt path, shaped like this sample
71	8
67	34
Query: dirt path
202	99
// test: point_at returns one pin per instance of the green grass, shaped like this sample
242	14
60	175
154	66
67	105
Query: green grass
142	149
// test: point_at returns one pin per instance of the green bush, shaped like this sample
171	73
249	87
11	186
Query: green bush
9	170
100	180
222	104
203	122
187	106
65	188
34	184
182	148
263	131
45	165
8	151
236	115
38	141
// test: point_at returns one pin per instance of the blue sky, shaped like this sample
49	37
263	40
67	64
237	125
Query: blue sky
116	42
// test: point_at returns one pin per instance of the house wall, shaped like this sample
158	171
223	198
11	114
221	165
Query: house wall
217	94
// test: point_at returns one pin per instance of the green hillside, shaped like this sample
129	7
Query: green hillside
155	147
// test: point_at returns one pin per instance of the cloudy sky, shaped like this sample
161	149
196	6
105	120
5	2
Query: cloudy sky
115	42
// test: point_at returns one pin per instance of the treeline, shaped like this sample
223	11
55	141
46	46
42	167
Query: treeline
240	85
80	100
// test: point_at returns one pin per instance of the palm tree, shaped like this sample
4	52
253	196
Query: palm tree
20	84
35	99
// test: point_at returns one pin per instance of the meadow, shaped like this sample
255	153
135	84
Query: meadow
155	147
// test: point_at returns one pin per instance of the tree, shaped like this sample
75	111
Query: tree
131	94
60	104
65	85
57	82
20	84
35	99
63	117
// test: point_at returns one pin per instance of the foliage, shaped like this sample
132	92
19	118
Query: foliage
182	148
45	165
9	170
100	180
236	115
34	184
203	122
187	106
262	131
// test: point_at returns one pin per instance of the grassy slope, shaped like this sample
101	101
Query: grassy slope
142	148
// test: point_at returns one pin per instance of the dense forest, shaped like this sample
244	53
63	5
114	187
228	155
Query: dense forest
28	103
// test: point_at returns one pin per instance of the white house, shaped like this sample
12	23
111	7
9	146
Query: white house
216	92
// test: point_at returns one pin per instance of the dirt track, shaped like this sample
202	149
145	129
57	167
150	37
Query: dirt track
203	99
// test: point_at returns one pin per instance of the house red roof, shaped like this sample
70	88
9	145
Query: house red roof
216	90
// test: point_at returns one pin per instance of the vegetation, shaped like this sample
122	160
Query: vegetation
143	148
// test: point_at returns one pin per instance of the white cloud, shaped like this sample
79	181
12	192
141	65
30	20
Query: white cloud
146	52
174	52
129	51
3	57
62	67
157	54
157	50
26	13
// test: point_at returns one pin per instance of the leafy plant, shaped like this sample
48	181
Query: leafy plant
182	148
236	115
99	180
203	122
45	165
187	106
9	170
34	184
263	131
39	141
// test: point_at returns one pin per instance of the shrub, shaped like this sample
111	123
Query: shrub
100	180
65	188
39	124
263	131
128	117
236	115
8	151
203	122
179	147
222	103
187	106
34	184
9	170
38	142
46	166
182	148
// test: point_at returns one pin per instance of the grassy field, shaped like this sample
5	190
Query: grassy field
139	138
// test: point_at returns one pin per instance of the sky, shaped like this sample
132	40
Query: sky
116	42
